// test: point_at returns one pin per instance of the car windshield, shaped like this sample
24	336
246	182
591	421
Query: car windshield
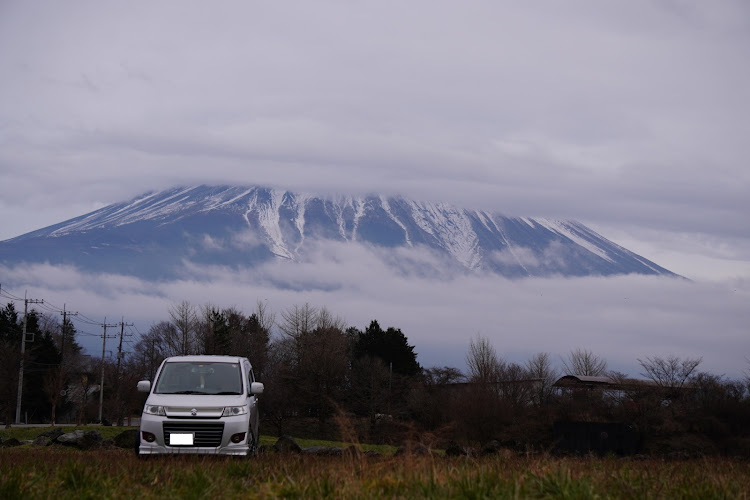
199	378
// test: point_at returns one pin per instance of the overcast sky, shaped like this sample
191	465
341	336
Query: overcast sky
631	117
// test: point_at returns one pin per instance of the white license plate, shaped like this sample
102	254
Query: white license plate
180	439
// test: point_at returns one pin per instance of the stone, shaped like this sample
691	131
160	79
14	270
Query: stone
52	434
287	444
454	450
491	448
42	441
83	440
10	443
323	451
126	439
412	449
352	452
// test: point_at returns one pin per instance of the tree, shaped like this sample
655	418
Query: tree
10	356
298	320
161	341
540	367
55	382
249	338
220	333
69	348
584	362
671	372
482	361
311	362
43	358
185	321
445	375
391	346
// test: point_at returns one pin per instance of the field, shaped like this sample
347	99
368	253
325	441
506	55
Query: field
56	472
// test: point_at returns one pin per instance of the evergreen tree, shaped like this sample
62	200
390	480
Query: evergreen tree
391	346
10	356
10	327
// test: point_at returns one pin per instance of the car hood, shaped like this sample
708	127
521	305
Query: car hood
195	405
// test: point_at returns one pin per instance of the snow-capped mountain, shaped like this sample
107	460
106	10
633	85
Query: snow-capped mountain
154	234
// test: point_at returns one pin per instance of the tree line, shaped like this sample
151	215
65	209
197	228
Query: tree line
327	379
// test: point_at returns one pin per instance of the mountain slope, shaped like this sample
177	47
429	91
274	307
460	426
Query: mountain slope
151	235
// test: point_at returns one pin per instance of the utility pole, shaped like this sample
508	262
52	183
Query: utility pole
64	332
26	303
101	387
117	376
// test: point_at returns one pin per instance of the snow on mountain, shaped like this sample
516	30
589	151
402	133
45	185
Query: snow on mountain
151	234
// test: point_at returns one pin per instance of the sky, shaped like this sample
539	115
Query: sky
631	117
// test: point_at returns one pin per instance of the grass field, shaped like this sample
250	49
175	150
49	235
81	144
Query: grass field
56	472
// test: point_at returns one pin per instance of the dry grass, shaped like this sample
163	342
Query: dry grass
31	472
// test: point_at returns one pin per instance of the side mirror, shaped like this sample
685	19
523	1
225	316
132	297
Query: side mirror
144	386
256	388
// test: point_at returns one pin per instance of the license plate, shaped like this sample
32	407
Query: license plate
180	439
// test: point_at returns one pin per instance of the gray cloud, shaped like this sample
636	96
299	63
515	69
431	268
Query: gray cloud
621	319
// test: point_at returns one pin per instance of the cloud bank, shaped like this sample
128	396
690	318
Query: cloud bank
620	318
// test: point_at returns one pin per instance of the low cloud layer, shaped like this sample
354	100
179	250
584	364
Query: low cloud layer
621	318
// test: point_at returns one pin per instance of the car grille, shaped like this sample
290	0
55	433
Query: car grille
206	435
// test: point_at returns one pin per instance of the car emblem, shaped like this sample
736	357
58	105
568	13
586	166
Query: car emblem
193	412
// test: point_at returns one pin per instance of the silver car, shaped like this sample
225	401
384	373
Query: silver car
201	404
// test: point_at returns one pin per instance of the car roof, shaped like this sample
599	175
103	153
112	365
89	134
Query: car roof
204	359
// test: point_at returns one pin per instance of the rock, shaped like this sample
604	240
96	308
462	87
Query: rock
83	440
126	439
287	444
323	451
454	450
412	449
491	447
352	452
52	434
42	441
10	443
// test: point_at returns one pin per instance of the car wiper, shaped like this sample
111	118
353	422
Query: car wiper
186	392
227	393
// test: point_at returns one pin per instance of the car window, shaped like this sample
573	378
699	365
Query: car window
199	378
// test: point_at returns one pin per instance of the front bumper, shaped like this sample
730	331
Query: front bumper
211	436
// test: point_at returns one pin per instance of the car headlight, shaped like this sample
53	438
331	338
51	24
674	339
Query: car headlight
231	411
154	410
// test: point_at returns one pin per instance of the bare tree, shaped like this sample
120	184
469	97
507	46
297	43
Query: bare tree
185	320
55	382
444	375
584	362
482	361
513	384
153	348
540	367
298	320
266	319
671	372
325	320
